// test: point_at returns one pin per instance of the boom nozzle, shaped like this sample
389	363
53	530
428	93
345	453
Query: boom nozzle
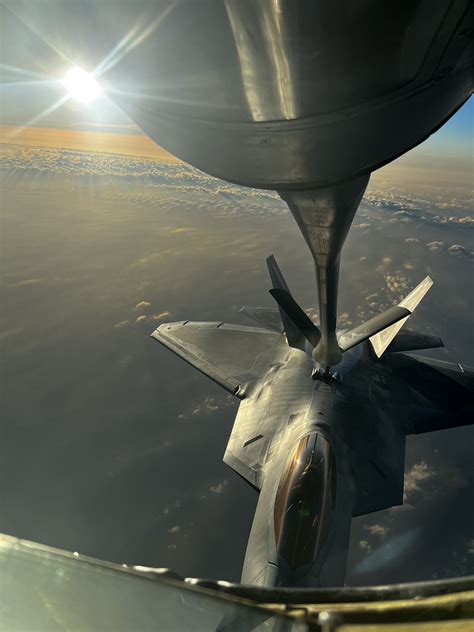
324	216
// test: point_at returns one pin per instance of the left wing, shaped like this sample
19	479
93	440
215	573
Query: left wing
265	316
231	355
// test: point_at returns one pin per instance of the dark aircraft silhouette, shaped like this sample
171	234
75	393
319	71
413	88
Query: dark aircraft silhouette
320	451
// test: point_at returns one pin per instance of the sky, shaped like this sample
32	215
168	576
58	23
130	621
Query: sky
111	445
105	235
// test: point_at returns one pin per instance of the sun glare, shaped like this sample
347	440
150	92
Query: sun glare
82	86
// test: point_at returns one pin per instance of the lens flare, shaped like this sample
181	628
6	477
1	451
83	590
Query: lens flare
82	86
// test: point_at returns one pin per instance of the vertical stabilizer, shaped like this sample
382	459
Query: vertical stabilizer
293	334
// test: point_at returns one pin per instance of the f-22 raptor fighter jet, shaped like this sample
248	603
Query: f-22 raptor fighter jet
321	447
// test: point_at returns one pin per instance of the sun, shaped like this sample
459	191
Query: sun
82	86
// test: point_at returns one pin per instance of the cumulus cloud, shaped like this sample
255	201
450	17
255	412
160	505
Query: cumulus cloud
434	246
161	315
416	476
170	183
371	297
463	221
404	206
122	323
208	406
424	480
142	305
172	508
379	530
344	320
397	284
405	215
107	126
218	488
458	250
141	318
365	546
313	313
174	530
25	282
442	247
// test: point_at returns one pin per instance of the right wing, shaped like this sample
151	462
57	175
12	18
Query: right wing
435	395
442	393
231	355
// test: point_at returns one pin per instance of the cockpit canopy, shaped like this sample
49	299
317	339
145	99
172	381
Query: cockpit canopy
305	501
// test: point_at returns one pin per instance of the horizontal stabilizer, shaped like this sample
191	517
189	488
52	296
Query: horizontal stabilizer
378	323
293	335
409	340
297	316
381	340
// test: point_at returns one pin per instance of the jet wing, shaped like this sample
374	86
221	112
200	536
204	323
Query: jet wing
435	395
442	393
267	317
231	355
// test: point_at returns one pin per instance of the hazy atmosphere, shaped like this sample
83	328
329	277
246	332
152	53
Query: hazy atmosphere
111	445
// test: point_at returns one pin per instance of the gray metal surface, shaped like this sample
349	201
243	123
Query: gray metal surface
275	94
46	589
371	327
278	94
324	216
382	338
211	348
297	316
264	316
294	335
